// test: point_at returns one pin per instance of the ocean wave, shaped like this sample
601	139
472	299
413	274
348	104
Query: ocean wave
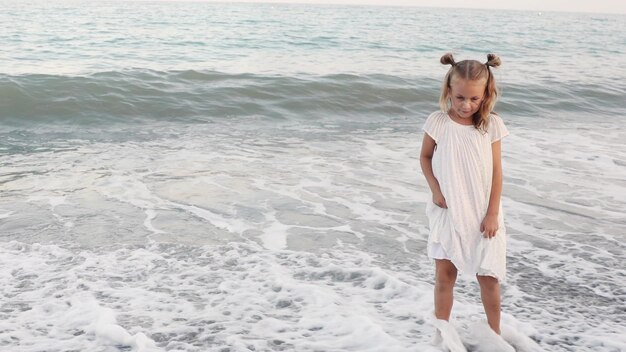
137	95
187	95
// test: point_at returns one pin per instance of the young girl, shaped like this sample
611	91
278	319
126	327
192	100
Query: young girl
460	159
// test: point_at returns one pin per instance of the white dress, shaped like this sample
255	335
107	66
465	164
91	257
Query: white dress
463	166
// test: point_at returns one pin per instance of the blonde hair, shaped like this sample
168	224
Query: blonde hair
472	70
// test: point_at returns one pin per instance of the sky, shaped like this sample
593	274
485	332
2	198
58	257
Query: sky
598	6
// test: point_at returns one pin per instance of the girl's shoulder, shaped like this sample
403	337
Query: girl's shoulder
494	121
435	124
494	116
496	128
437	117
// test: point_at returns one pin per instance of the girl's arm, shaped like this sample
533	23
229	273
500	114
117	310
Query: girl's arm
426	162
490	223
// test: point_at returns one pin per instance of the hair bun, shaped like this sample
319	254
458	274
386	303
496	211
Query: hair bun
493	60
447	59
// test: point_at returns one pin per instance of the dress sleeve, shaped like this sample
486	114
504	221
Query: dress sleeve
433	127
497	129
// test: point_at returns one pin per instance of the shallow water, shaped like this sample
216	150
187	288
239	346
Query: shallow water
166	196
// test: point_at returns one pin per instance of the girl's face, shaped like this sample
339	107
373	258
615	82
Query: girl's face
466	96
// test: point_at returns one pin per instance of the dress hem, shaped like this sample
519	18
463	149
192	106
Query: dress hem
480	272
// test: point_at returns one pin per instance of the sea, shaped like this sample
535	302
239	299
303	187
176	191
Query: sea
194	176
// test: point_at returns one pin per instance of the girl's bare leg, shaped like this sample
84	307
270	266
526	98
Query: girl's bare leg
490	294
445	277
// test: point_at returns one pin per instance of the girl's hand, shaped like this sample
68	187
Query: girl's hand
489	226
439	200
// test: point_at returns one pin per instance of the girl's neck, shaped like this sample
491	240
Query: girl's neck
460	120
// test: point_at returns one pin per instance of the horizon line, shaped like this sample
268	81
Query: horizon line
288	2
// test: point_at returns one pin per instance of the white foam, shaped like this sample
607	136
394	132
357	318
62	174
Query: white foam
486	340
358	196
450	338
233	225
53	316
237	295
519	339
101	323
6	215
